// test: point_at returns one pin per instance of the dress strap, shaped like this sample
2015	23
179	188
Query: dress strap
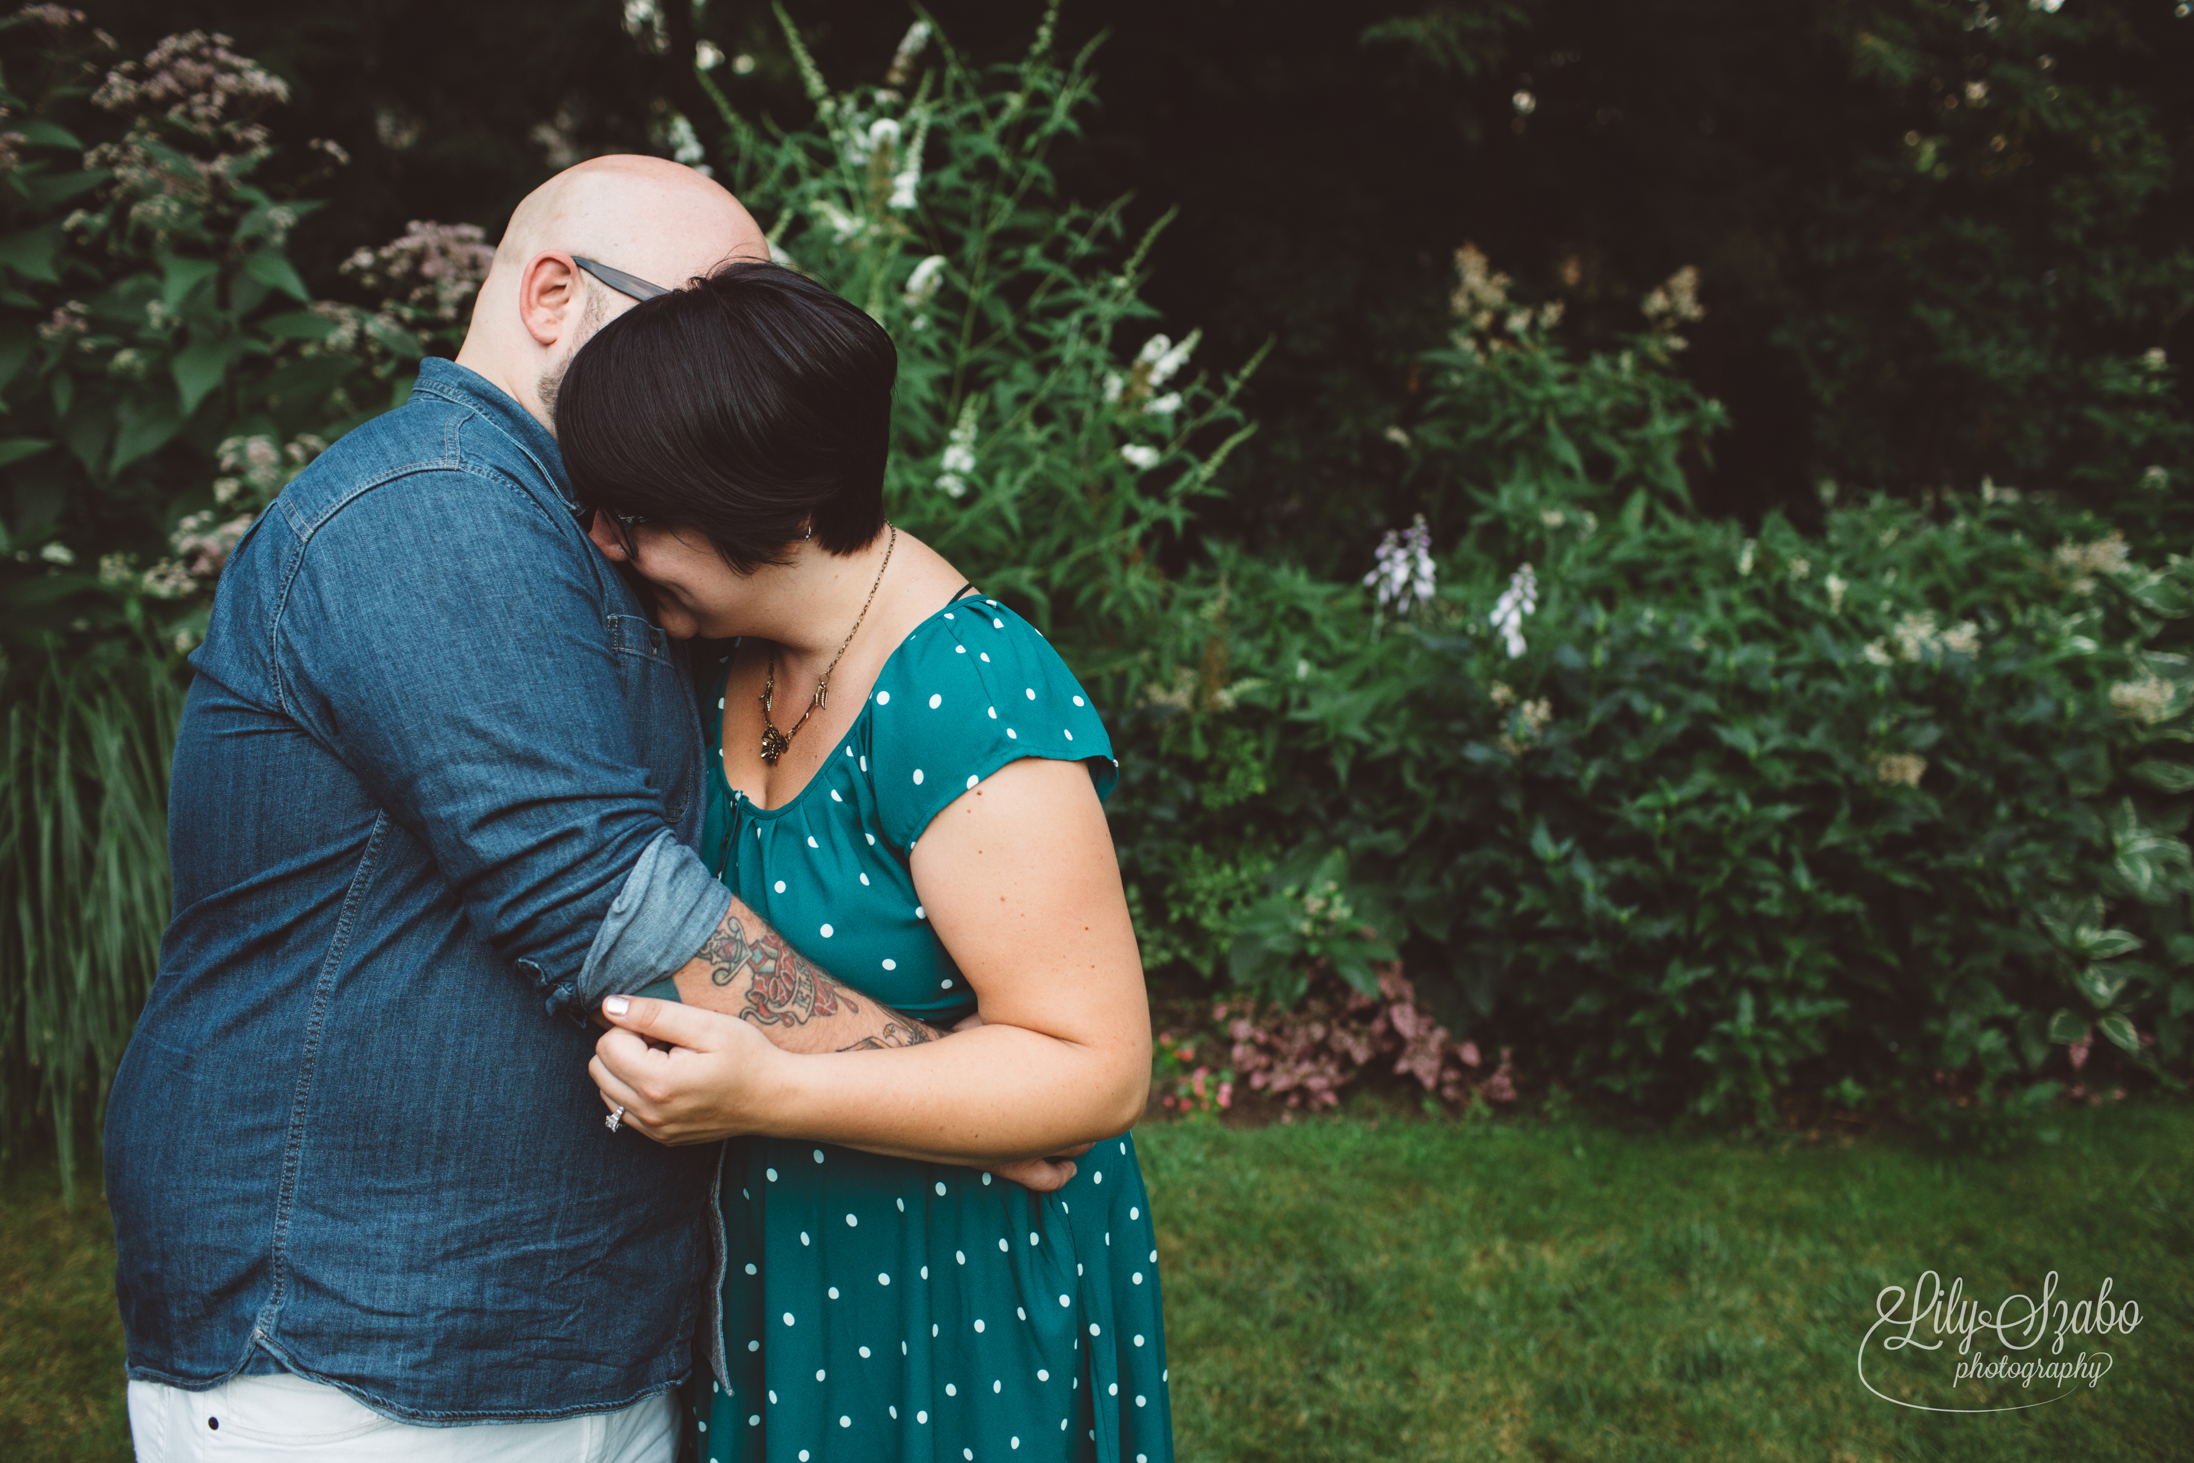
963	592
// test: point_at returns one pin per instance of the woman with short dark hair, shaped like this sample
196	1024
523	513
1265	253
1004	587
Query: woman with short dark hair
906	784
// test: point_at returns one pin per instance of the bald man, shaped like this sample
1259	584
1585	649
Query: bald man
431	803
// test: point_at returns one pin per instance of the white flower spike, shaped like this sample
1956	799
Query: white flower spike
959	458
1518	601
1404	575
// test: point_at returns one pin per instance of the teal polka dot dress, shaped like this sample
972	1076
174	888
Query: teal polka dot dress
875	1308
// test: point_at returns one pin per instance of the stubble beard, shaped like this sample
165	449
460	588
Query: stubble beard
552	380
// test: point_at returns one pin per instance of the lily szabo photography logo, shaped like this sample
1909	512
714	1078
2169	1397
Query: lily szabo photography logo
1947	1352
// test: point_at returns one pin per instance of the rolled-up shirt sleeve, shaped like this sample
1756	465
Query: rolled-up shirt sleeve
448	639
668	908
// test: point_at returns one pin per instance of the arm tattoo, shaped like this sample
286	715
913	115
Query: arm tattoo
786	988
906	1031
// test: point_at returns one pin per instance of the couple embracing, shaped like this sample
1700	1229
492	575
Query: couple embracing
649	974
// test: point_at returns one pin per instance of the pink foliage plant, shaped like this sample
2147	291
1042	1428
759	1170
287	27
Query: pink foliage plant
1307	1054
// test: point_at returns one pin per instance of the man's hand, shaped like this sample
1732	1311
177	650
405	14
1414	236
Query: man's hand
1042	1175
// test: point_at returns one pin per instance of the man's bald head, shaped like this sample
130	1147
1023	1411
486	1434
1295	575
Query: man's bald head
646	216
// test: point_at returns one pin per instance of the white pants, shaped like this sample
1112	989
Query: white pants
272	1419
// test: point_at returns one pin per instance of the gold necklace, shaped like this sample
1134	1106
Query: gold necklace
775	742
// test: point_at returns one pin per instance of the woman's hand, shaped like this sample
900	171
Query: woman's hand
686	1075
683	1075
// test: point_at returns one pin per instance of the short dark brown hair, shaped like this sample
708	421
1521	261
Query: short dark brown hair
745	406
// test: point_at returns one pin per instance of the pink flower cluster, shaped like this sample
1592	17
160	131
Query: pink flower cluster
2078	1051
200	85
53	17
1194	1087
1308	1053
433	266
201	89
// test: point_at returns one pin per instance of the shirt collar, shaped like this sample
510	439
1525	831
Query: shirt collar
467	387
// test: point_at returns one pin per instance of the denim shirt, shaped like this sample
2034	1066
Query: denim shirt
431	800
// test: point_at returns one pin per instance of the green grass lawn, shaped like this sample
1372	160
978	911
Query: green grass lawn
1550	1292
60	1339
1338	1290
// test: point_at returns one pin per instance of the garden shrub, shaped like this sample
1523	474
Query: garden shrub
163	369
163	372
1697	819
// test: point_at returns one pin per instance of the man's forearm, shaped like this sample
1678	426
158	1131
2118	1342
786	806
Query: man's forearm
748	970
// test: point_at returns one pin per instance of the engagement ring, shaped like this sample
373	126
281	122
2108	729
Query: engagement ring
614	1118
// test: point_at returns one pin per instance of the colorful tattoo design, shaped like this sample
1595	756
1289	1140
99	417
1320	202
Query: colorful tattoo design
785	988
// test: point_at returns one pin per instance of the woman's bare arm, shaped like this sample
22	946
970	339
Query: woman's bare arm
1021	883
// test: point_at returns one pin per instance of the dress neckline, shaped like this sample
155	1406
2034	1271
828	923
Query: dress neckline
738	799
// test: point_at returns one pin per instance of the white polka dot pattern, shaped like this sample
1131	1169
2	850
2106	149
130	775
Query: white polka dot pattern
835	1258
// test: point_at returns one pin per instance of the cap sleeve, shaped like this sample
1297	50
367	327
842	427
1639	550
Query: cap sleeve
974	688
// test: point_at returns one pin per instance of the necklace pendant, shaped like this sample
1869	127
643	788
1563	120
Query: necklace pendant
774	743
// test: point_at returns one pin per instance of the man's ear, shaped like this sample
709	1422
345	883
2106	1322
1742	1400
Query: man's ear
548	297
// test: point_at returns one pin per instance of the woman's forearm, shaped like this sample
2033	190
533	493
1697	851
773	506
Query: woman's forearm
990	1095
749	970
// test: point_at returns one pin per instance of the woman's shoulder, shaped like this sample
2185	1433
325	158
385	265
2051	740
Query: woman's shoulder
973	688
974	637
978	657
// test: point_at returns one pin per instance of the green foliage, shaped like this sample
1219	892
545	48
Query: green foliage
1031	443
1891	812
1306	921
2002	264
83	882
162	369
162	375
1729	817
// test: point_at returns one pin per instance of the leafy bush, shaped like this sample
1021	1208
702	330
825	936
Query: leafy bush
1700	820
1711	817
162	375
163	371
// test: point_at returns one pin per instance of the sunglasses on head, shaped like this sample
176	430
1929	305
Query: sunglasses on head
630	285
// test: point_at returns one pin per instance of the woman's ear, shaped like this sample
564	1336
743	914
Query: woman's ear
606	539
